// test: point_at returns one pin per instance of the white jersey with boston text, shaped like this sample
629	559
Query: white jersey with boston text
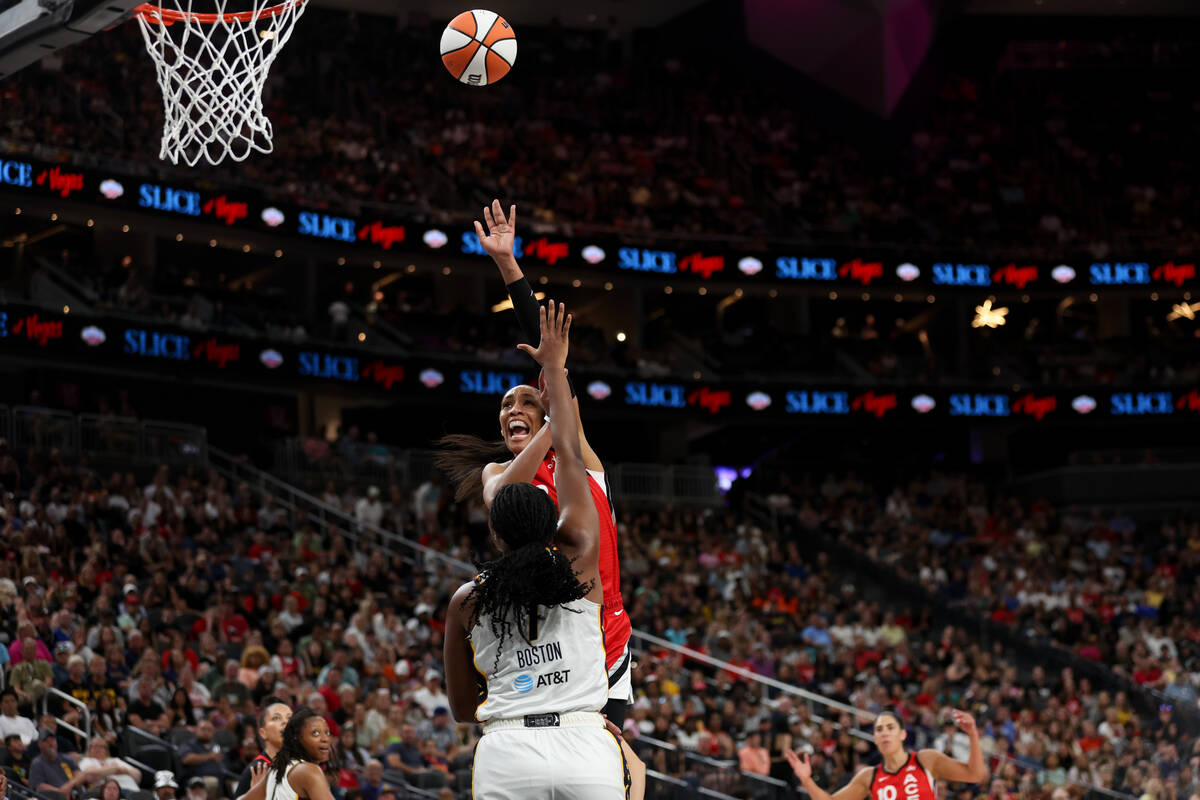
555	667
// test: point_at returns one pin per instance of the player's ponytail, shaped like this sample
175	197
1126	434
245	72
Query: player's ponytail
462	457
532	572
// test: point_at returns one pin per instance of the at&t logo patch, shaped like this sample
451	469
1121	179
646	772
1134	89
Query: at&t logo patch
523	684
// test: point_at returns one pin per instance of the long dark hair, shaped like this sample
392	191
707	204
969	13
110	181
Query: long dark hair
293	750
462	458
533	572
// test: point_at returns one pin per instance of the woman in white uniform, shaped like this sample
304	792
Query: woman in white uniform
524	648
298	770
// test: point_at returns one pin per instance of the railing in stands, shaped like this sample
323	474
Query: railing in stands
324	515
85	715
668	787
721	774
94	435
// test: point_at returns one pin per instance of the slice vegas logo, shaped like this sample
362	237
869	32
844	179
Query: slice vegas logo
434	238
270	358
592	254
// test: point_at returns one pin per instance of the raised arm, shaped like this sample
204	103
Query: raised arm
857	789
498	243
579	526
944	767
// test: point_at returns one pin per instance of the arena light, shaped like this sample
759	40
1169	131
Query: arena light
988	317
1183	311
506	303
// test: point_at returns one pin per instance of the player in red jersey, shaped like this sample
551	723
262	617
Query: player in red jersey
526	457
903	775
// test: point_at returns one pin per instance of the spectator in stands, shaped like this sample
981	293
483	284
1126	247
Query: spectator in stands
55	774
202	757
369	509
753	757
104	766
145	712
371	783
12	723
196	789
431	696
32	676
405	756
15	759
165	785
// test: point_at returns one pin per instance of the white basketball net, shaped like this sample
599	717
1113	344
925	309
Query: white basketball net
211	68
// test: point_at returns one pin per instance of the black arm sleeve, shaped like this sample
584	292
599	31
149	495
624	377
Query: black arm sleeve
525	306
528	312
243	783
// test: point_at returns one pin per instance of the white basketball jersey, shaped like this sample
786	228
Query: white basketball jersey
560	669
281	790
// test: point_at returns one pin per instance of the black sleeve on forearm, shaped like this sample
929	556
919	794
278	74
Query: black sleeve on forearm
525	306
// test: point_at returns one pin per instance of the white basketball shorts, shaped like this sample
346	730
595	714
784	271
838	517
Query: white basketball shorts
579	760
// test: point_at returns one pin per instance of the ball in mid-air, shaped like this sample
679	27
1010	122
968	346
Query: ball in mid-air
479	47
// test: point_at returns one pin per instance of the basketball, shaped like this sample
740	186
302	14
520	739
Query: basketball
479	47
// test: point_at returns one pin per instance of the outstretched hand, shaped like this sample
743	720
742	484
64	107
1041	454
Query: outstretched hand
551	351
799	763
501	232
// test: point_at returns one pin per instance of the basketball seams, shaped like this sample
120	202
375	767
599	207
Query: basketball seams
478	47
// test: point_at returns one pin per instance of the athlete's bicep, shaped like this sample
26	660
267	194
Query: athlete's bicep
943	767
309	781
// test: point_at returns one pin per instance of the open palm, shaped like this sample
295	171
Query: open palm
501	231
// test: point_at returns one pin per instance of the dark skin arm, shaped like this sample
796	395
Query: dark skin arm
578	533
309	781
462	679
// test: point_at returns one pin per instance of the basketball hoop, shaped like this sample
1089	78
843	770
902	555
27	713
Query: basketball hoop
211	68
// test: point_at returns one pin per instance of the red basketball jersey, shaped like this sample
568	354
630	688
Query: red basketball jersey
616	622
912	782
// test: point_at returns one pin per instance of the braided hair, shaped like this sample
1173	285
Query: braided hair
293	750
531	573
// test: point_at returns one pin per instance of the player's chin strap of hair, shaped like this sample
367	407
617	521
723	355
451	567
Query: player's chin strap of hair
525	306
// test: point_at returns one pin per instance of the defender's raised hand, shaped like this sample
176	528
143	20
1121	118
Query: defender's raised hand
551	352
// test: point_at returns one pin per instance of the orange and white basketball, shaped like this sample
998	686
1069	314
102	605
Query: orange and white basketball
479	47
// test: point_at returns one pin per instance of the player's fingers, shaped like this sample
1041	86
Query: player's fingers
488	218
567	326
479	231
498	212
524	348
512	216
